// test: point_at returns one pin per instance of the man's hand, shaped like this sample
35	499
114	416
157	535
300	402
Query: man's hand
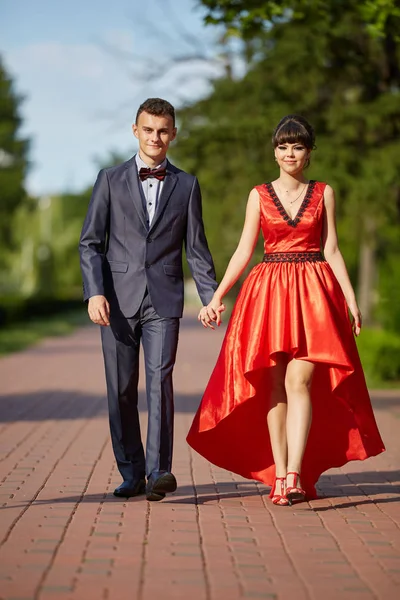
211	313
99	310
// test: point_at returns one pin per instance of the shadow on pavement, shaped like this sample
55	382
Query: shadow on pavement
226	490
382	403
56	404
352	503
370	483
366	485
64	404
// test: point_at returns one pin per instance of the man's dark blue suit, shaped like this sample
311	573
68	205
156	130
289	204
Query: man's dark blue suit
138	268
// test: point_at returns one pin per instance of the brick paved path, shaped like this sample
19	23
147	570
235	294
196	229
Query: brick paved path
63	534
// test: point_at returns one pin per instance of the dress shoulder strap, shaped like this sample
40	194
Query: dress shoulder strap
318	191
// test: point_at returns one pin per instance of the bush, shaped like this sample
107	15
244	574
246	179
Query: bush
380	355
18	309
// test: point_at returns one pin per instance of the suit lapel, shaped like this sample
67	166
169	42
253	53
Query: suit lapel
135	190
168	187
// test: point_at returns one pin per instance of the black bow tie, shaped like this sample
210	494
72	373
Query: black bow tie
159	174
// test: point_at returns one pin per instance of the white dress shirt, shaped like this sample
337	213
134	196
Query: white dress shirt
151	187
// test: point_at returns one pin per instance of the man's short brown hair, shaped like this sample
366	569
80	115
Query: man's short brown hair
157	107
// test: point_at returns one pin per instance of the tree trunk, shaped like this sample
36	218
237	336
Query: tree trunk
367	271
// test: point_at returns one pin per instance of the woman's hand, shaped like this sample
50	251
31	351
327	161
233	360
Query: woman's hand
211	313
357	319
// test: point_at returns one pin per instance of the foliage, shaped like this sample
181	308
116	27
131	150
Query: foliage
14	309
250	17
13	160
380	356
45	262
325	65
337	63
22	334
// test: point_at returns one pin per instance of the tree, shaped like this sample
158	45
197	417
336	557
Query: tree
250	17
327	66
45	262
13	157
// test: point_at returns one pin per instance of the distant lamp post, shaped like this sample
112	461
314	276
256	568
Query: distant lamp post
27	267
44	205
44	250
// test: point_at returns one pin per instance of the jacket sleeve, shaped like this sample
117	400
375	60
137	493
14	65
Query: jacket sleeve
93	240
197	253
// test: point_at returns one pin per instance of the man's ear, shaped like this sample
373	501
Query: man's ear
135	130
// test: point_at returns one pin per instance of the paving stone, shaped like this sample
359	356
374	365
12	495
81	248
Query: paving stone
64	535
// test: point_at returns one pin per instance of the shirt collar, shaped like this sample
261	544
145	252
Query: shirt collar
141	164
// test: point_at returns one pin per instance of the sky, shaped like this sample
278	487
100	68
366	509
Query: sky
84	66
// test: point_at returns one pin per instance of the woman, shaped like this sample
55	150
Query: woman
287	399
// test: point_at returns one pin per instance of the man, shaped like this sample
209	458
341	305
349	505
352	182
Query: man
140	215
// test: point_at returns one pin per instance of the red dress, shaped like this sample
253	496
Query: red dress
293	304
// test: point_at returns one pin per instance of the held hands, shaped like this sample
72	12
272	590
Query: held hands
99	310
211	313
357	319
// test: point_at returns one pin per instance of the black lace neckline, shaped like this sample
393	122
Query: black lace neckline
282	210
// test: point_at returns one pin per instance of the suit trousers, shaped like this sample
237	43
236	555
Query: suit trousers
121	345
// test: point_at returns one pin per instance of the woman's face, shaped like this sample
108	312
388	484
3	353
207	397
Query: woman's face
292	158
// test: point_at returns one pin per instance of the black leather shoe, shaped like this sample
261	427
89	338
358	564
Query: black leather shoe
159	484
130	488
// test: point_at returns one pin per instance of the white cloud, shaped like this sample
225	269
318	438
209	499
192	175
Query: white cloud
122	40
54	58
67	87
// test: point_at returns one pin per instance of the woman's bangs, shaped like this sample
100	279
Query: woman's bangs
292	133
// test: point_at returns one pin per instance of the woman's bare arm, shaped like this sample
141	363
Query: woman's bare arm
335	258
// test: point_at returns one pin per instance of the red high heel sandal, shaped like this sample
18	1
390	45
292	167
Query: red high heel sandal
295	493
279	499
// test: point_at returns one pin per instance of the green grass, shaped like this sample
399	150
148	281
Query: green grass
18	336
380	356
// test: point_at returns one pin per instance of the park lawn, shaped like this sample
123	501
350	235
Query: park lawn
17	336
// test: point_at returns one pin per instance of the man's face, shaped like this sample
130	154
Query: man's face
155	135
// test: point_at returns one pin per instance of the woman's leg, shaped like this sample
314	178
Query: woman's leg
299	412
276	417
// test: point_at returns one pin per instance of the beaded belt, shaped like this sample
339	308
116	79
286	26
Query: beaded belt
293	257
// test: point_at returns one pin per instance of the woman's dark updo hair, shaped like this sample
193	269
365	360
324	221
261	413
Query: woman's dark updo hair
294	129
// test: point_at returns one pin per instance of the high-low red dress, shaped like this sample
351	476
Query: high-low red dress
292	303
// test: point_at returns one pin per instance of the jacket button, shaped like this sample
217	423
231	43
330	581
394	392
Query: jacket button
147	265
149	240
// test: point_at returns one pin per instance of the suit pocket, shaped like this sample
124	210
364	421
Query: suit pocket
118	267
173	270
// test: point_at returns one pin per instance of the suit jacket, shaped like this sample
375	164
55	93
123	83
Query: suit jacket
121	255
